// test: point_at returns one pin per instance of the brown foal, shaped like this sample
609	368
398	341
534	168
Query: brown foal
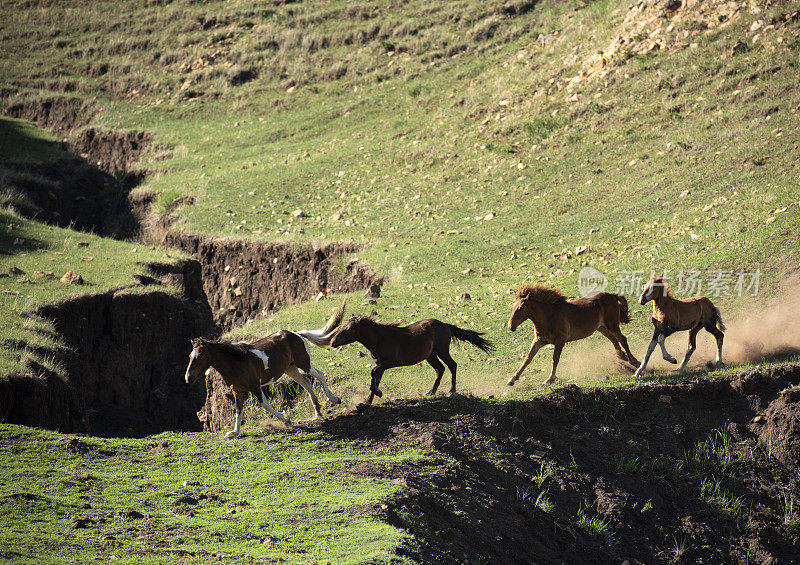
557	320
393	346
672	315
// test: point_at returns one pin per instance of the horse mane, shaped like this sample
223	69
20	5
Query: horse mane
370	320
660	280
539	293
235	349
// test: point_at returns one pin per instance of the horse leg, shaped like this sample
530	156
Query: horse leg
650	348
535	347
691	348
719	336
267	406
664	353
434	362
301	379
239	398
612	337
377	375
320	376
556	357
451	364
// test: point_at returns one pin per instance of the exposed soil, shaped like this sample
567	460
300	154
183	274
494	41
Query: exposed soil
244	279
58	114
112	151
632	456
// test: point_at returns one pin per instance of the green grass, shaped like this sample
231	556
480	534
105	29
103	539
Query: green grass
412	162
596	526
456	150
287	496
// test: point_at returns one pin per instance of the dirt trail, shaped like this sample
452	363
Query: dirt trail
676	472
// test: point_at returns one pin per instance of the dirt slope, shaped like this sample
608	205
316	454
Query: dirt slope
676	472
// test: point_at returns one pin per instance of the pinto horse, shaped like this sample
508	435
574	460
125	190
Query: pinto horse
557	320
672	315
246	368
394	346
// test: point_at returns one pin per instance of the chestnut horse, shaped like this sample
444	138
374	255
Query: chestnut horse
557	321
672	315
246	368
393	346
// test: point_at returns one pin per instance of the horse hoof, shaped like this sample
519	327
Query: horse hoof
671	360
335	400
511	382
548	381
377	392
231	434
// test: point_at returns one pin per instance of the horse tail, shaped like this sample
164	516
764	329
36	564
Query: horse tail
473	337
323	336
718	316
624	315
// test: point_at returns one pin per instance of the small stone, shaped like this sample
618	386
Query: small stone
758	419
336	217
581	249
666	399
71	277
489	216
320	296
359	354
298	214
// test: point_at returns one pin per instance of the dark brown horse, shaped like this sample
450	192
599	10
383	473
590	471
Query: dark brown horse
246	368
394	346
672	315
557	320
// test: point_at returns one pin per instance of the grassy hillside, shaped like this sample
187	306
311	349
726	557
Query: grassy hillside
467	152
469	146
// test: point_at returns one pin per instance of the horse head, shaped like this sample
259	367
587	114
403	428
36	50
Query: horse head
347	332
656	287
198	360
518	311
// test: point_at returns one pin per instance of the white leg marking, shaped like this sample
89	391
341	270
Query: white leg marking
719	352
236	427
686	357
295	374
664	353
320	376
647	355
280	416
261	355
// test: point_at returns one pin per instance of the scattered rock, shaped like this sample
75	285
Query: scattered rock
666	399
71	277
298	214
80	522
